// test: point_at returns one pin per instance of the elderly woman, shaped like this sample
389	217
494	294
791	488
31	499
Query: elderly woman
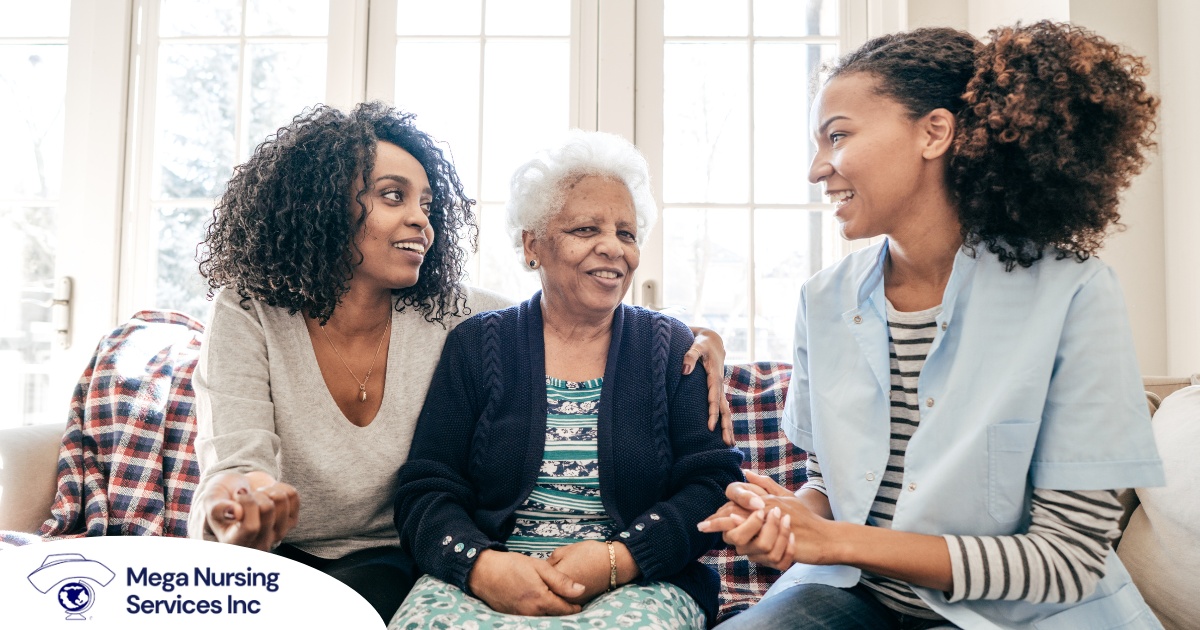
561	462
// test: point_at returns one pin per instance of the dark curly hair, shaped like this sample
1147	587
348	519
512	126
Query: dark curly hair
1053	122
283	232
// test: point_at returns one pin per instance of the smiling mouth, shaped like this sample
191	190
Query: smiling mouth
607	275
840	198
412	247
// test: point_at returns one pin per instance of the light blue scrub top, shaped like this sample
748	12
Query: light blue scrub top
1031	381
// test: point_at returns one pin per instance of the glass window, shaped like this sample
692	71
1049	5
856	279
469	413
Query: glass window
741	224
490	117
229	73
33	82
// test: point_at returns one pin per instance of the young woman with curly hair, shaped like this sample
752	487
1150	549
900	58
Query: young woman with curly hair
336	253
967	390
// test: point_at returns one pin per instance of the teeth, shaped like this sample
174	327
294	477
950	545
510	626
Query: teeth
840	197
611	275
416	247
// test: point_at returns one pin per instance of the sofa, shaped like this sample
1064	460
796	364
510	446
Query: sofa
35	460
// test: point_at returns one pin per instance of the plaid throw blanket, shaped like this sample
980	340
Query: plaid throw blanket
756	393
126	465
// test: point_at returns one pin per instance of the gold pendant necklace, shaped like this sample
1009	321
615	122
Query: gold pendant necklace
362	385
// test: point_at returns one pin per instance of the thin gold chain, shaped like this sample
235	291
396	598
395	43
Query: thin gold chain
362	385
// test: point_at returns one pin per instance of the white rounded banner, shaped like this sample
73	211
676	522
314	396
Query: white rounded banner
124	581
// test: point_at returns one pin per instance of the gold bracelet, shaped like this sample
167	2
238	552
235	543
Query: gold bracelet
612	566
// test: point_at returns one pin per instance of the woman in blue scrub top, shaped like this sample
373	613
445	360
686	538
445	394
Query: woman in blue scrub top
967	389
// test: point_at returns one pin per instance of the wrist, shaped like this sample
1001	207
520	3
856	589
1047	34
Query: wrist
627	568
840	543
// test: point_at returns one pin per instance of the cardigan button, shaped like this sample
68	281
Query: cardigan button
639	527
858	319
471	552
624	534
653	517
458	548
446	541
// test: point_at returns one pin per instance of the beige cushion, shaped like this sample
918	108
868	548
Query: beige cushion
28	475
1161	545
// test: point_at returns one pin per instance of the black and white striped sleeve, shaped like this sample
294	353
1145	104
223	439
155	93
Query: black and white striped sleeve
1060	559
815	481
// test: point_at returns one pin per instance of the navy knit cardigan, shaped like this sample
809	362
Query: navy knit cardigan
479	443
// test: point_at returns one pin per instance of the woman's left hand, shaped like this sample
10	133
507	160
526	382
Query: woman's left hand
587	563
709	348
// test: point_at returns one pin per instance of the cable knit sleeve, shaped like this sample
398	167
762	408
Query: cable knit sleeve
435	496
664	538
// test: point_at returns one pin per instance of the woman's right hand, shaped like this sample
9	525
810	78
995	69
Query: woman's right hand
250	510
516	584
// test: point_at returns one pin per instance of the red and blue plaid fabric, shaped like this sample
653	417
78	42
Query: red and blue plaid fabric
127	465
756	393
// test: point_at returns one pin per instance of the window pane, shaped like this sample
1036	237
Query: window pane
518	122
450	115
27	246
706	123
705	17
501	267
196	117
33	81
287	17
284	79
782	142
787	250
43	18
444	17
180	286
706	271
528	17
795	17
199	17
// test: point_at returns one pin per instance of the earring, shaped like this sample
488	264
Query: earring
533	264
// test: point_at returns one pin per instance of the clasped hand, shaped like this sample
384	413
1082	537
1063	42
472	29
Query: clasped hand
769	525
572	576
250	510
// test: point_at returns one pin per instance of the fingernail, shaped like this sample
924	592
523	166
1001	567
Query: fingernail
702	526
738	517
687	369
775	511
756	503
577	587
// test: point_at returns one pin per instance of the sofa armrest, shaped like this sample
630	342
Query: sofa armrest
28	475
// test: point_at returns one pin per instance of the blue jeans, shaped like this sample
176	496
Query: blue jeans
818	606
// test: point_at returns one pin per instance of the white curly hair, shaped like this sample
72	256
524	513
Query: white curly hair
539	187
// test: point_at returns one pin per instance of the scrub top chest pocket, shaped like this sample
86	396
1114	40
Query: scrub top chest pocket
1010	450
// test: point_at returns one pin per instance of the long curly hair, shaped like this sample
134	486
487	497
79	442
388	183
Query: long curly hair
283	232
1053	121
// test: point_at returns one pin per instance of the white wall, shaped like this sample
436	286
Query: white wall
1179	137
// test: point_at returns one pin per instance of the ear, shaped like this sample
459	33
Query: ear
532	246
937	133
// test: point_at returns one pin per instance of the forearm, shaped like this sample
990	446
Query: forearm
918	559
816	501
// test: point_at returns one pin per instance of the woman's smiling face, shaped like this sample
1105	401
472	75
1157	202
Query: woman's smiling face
869	155
589	251
396	234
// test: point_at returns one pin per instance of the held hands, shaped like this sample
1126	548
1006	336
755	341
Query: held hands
709	349
769	525
516	584
250	510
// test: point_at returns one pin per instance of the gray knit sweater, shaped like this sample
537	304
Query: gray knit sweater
263	405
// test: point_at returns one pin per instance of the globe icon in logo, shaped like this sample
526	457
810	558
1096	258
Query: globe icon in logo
76	598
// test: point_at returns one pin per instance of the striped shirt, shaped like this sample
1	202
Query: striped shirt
565	506
1060	558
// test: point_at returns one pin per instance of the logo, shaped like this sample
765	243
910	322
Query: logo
70	573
